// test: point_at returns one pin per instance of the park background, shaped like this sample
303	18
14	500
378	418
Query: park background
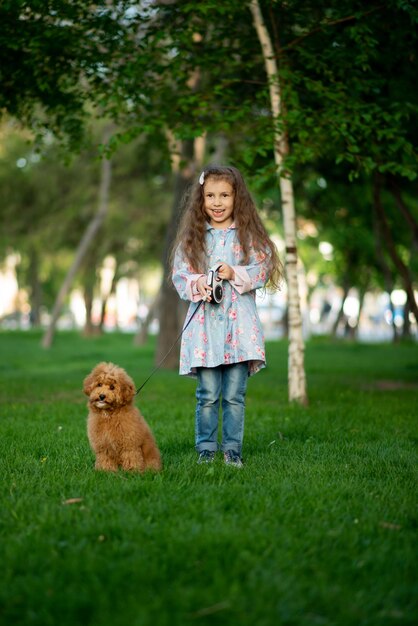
109	112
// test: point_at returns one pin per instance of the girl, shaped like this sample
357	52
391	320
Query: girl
223	344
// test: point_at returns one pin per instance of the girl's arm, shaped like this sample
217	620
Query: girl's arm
185	280
251	276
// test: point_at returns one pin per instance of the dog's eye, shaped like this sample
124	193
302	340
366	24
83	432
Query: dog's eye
112	387
99	384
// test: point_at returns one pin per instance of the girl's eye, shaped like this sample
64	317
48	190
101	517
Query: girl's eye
112	387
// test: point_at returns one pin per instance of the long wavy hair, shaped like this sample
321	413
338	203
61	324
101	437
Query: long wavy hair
251	232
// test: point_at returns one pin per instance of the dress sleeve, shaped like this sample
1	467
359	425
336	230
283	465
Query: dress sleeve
252	276
184	279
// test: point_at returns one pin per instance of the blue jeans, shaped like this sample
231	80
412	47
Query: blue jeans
230	382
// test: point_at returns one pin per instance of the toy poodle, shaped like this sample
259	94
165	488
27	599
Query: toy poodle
118	434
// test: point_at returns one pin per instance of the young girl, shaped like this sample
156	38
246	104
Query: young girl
223	344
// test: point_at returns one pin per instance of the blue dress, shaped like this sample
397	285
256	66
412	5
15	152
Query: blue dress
229	332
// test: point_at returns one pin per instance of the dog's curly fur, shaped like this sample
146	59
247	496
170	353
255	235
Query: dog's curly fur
117	432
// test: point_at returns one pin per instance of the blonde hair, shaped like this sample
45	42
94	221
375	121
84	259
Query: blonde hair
191	233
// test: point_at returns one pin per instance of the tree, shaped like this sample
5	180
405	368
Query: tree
296	368
54	59
84	245
42	209
385	230
171	312
49	58
46	206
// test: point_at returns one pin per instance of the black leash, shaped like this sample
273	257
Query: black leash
157	367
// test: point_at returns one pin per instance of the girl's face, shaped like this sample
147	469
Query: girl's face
219	202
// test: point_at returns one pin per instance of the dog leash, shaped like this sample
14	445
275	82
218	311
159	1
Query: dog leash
157	367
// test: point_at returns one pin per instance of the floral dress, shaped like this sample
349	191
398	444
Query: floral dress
229	332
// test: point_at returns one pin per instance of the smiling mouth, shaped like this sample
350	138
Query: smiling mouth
101	404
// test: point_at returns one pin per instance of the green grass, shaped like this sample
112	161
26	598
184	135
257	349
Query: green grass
318	528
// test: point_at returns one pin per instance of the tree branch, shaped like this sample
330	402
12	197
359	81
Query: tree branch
410	219
396	259
341	20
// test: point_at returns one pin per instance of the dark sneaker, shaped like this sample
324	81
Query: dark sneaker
233	458
206	456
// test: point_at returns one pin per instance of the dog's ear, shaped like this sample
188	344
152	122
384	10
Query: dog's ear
91	380
89	383
127	387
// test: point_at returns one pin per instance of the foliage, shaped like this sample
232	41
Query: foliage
53	60
343	215
346	93
347	72
46	205
349	77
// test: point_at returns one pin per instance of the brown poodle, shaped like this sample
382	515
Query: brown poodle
118	434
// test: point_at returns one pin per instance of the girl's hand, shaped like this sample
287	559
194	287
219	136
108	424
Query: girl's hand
204	289
226	272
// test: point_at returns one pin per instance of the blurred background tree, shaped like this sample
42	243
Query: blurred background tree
46	205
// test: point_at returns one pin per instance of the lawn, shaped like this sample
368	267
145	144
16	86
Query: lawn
319	527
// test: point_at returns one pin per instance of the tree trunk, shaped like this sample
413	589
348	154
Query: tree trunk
403	209
387	274
296	357
89	279
396	332
391	248
83	247
106	298
346	289
285	321
171	314
406	328
353	331
142	334
88	303
35	288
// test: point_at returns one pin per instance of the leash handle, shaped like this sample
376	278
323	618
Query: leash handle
157	367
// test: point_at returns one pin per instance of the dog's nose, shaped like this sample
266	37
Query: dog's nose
102	396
